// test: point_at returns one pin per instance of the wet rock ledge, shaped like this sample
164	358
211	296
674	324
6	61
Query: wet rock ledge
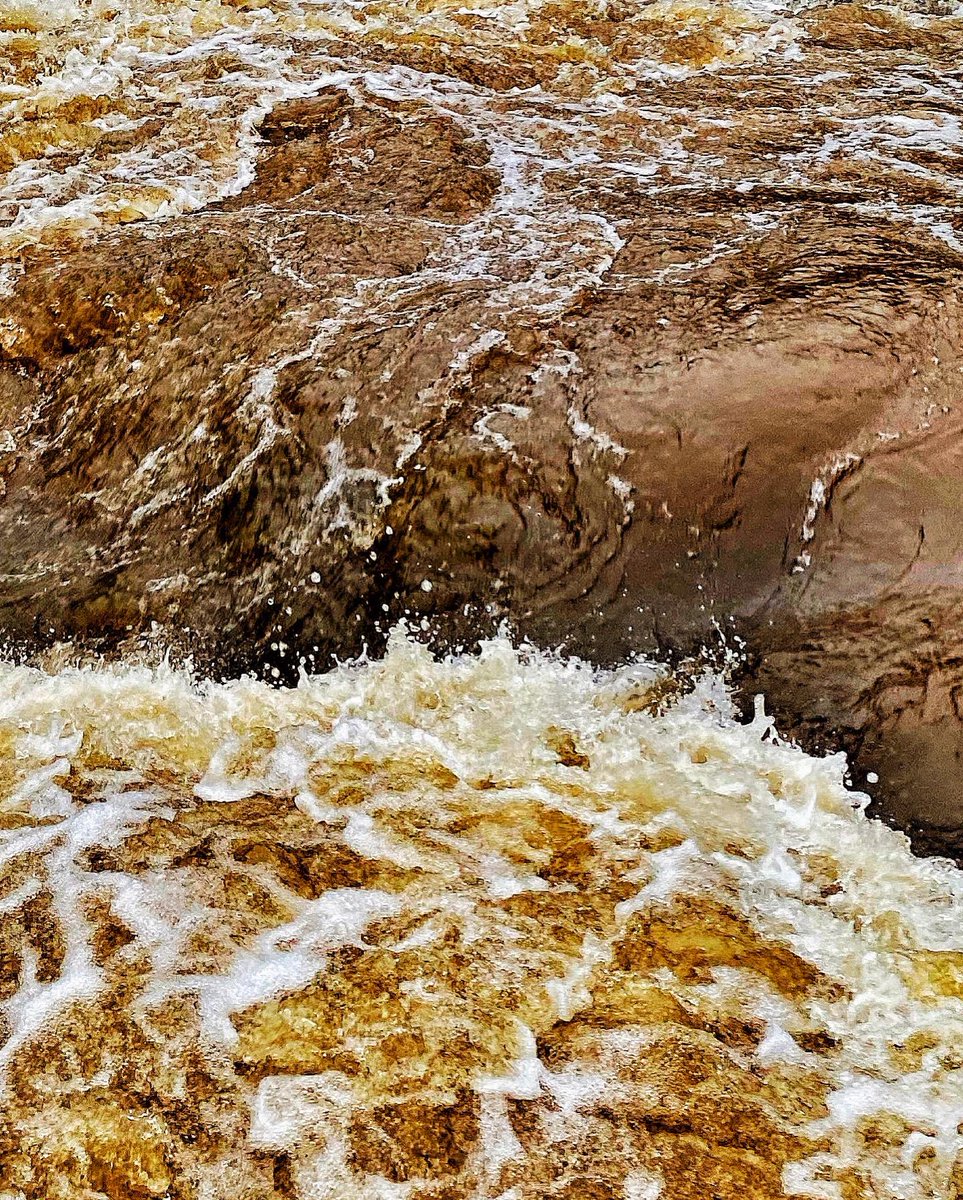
475	345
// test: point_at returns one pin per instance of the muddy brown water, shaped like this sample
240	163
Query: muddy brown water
634	327
623	323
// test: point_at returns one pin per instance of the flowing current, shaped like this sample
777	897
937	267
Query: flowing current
501	925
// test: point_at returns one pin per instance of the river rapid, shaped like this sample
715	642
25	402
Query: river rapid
500	925
115	113
296	305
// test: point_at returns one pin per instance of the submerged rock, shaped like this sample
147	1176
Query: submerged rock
616	324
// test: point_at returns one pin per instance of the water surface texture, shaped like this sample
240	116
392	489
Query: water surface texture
621	323
616	320
493	927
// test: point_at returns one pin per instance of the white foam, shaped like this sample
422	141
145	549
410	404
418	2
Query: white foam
693	770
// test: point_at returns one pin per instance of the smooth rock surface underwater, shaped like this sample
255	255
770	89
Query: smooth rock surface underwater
616	322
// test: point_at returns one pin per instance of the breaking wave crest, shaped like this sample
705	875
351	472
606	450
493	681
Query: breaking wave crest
498	925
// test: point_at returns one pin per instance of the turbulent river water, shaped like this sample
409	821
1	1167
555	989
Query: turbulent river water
496	926
500	925
115	112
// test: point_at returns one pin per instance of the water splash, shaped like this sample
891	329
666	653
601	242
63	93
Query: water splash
488	922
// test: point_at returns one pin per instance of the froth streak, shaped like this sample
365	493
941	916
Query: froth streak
497	926
112	114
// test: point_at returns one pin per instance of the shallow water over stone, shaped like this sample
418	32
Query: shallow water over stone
617	320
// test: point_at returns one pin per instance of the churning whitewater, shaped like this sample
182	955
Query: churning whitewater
591	315
499	925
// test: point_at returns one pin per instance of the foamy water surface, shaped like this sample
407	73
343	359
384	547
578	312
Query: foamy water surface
117	113
593	928
502	925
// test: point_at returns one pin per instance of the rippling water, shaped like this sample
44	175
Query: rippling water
114	113
501	925
492	926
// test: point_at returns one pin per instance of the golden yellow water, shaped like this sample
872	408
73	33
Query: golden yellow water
498	926
115	112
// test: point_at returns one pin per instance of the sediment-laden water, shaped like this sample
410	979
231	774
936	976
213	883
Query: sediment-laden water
114	113
612	318
495	926
615	319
